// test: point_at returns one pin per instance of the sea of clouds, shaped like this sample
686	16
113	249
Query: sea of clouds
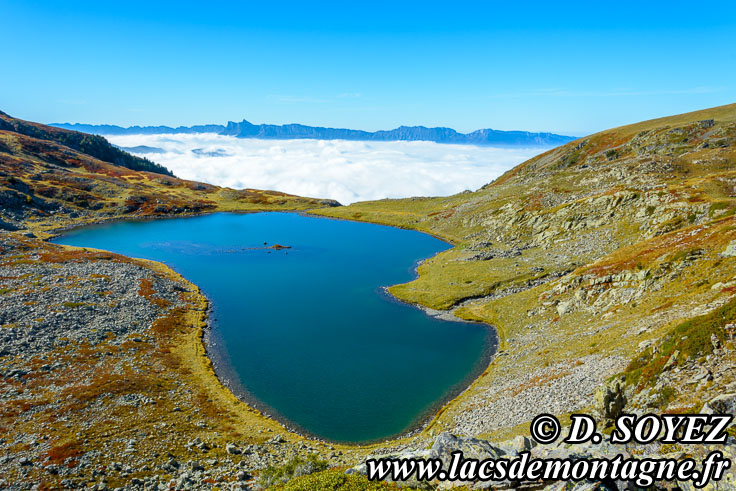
347	171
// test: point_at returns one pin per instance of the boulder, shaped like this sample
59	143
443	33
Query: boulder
522	443
722	404
472	448
610	399
564	307
232	449
7	226
730	250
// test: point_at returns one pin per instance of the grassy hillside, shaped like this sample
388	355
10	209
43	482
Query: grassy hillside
92	145
588	257
51	177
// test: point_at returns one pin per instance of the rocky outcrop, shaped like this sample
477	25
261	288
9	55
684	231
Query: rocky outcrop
730	250
722	404
610	400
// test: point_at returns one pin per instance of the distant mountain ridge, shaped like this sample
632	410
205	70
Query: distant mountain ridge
245	129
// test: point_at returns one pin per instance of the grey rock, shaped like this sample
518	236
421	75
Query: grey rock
730	250
610	399
722	404
232	449
472	448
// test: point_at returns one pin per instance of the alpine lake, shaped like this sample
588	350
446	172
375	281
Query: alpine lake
306	332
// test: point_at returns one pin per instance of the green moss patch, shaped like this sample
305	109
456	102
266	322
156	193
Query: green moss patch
297	467
689	339
334	479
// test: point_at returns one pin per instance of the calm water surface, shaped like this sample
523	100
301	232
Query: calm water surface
306	333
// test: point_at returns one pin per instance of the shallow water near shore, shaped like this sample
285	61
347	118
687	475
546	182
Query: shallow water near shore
306	333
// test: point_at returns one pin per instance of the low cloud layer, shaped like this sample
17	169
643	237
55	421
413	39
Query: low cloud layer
347	171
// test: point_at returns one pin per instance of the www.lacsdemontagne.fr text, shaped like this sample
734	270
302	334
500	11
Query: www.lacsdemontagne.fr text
545	429
643	472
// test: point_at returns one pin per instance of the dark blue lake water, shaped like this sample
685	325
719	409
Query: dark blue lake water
307	333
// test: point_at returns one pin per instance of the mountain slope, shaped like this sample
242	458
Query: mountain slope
51	177
245	129
587	258
92	145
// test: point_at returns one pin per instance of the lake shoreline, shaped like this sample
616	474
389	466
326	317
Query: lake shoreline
230	383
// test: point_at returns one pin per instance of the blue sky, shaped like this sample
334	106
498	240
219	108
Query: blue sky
566	67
